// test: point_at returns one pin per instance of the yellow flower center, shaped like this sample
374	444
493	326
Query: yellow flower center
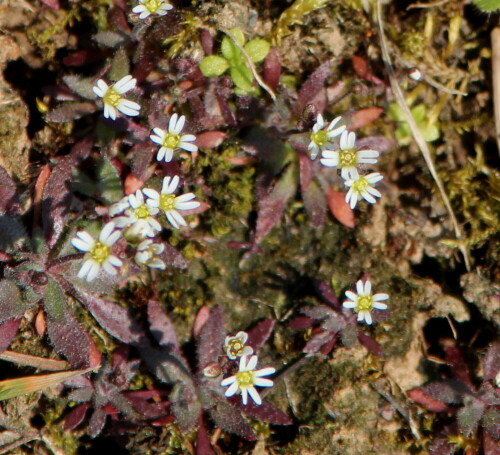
171	141
235	347
100	252
153	5
359	185
167	202
348	158
112	97
364	303
245	379
320	138
142	212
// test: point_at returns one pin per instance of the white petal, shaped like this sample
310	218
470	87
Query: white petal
166	154
233	388
228	381
180	124
351	198
374	177
108	268
80	245
320	122
329	162
368	317
139	9
381	296
373	191
360	287
243	363
351	140
264	372
85	268
351	296
380	306
349	304
187	205
113	260
368	287
255	395
172	123
263	382
113	238
128	107
368	197
157	263
106	231
336	132
252	363
170	184
188	138
244	396
188	147
125	84
171	219
333	123
151	194
94	271
100	88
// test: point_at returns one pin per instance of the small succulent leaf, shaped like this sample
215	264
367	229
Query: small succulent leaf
13	234
71	341
53	4
117	321
200	320
349	335
185	405
161	326
229	419
257	49
81	85
265	412
211	339
55	301
317	341
76	416
12	388
340	208
139	401
369	343
317	312
11	304
9	198
229	50
242	77
419	113
430	132
260	333
491	362
460	370
364	117
213	66
361	68
271	68
142	155
108	182
469	416
8	330
272	206
120	65
313	85
420	397
327	294
203	445
490	421
97	422
113	40
315	204
68	112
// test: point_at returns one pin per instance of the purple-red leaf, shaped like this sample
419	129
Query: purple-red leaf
114	319
491	362
429	403
313	85
327	295
8	330
317	341
57	192
315	204
76	416
211	338
264	412
161	326
441	446
229	418
9	199
458	365
301	322
70	340
203	446
272	68
364	117
70	111
259	334
490	446
369	343
340	208
53	4
362	70
97	421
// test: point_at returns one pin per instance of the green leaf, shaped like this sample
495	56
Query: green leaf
229	49
120	65
430	132
213	66
242	78
81	86
12	234
419	112
108	182
11	304
55	301
257	49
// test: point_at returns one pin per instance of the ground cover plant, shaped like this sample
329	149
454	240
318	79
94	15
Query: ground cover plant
249	227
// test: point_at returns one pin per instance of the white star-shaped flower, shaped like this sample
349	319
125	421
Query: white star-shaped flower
247	377
321	136
362	187
169	203
113	99
172	139
99	254
347	158
147	254
147	7
235	346
139	217
363	302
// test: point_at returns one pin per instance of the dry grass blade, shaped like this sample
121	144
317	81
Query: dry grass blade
12	388
417	135
495	62
33	361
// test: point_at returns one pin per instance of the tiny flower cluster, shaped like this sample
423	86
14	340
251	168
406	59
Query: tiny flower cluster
347	158
247	377
137	223
364	302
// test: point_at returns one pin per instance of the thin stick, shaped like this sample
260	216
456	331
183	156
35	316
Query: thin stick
417	135
427	5
495	62
256	75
